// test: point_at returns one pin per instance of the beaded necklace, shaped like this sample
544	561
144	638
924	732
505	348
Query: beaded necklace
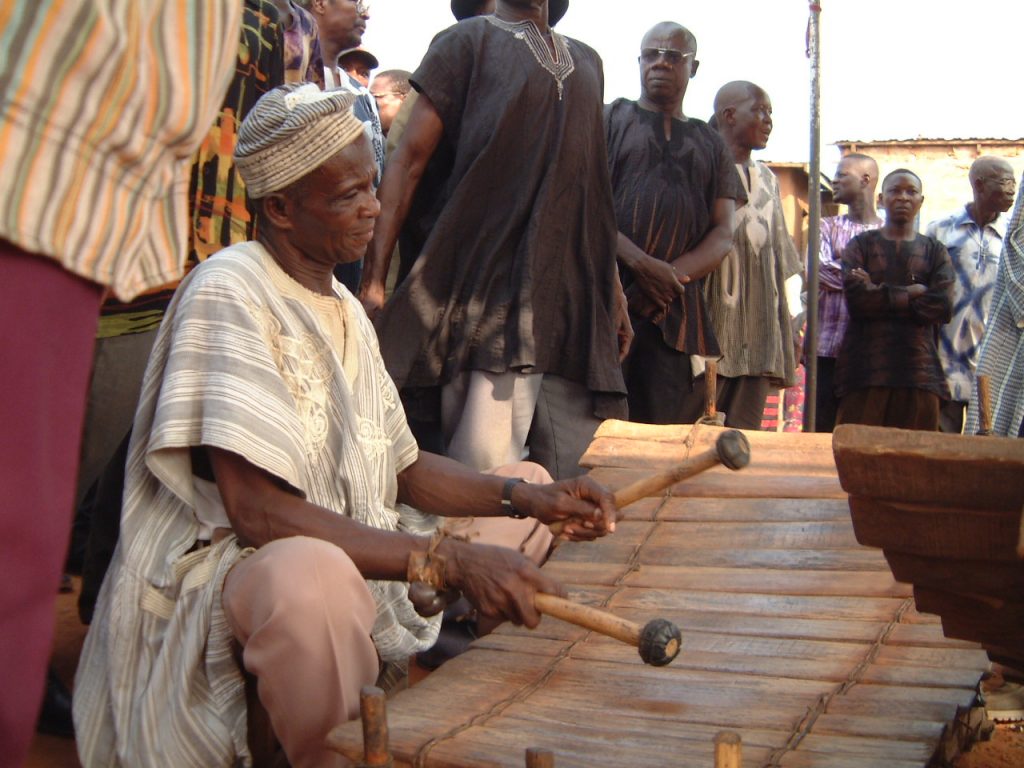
560	66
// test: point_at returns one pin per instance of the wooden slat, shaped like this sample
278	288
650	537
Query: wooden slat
662	602
746	510
945	532
848	559
914	467
746	484
713	579
807	759
982	577
742	536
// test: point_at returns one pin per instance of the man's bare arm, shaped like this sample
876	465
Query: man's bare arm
397	188
442	486
705	257
500	582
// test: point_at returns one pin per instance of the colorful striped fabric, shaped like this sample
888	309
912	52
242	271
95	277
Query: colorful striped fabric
102	105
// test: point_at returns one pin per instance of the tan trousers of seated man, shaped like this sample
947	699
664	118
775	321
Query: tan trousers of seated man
303	615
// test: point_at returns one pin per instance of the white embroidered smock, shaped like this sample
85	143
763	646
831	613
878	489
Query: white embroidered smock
248	361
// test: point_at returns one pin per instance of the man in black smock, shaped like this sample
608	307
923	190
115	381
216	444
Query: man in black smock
676	189
513	306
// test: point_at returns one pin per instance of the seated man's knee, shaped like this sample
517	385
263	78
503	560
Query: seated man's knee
295	576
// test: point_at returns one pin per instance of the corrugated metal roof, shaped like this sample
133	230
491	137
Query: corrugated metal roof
935	140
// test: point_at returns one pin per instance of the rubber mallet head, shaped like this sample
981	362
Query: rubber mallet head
733	449
660	641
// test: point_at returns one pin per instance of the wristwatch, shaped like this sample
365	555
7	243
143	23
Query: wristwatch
506	499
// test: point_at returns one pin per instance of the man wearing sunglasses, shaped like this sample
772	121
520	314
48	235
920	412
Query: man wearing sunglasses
676	190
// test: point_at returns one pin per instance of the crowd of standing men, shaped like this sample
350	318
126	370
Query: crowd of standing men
559	261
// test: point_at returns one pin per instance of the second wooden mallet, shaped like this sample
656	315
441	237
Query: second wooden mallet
658	641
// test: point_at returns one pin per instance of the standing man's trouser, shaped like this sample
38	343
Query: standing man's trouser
48	317
492	419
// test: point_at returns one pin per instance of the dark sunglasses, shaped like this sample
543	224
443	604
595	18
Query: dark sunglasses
672	55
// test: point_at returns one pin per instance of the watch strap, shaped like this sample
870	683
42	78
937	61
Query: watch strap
506	499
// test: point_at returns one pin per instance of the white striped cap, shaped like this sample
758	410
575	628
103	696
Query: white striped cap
291	131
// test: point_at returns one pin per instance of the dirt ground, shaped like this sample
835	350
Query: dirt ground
1004	750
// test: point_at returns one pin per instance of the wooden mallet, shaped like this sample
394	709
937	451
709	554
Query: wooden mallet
658	641
731	449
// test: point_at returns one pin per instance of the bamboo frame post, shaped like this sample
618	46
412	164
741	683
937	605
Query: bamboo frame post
813	220
373	710
539	758
711	391
728	750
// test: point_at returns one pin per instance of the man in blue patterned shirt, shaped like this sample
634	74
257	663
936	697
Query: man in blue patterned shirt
973	235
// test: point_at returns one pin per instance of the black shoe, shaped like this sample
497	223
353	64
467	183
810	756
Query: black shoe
55	714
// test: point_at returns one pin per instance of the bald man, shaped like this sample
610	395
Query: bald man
676	189
854	186
973	235
746	294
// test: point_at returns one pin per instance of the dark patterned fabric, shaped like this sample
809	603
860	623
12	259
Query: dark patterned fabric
892	340
302	48
221	213
664	192
517	272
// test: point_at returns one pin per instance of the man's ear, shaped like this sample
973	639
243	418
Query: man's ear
693	67
729	116
317	6
278	210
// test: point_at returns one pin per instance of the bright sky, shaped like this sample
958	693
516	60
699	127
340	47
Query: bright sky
890	68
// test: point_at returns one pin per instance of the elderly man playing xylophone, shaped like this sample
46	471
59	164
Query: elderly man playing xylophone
267	484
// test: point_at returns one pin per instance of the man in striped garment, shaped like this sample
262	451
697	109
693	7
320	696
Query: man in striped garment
102	105
746	294
1002	349
275	497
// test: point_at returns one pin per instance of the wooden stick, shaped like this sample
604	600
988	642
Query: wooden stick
658	641
539	758
373	709
984	406
710	389
659	481
731	449
589	617
728	750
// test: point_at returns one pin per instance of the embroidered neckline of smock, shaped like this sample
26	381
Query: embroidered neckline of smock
338	306
560	66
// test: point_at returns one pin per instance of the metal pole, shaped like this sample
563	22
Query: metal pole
814	223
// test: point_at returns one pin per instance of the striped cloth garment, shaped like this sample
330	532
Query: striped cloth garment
1002	348
746	294
102	105
250	362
